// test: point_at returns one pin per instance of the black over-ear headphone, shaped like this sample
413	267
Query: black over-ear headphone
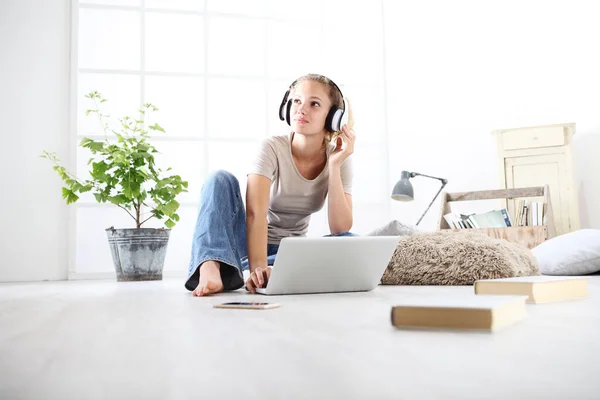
336	118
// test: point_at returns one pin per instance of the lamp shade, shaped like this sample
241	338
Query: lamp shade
403	190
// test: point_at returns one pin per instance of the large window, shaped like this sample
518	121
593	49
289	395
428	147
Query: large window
217	70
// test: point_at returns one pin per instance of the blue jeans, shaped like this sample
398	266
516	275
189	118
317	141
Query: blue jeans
220	233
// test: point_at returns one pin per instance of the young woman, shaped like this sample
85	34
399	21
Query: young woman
290	179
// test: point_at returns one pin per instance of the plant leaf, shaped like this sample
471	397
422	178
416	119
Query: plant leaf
68	195
170	208
156	127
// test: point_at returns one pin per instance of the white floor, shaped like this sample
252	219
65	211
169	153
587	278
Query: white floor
109	340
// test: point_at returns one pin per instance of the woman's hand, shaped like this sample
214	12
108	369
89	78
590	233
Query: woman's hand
258	279
344	147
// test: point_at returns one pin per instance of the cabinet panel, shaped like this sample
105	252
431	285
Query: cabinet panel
542	170
533	137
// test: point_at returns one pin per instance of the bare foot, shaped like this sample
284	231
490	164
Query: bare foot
210	279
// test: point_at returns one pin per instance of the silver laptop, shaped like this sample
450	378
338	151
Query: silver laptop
330	264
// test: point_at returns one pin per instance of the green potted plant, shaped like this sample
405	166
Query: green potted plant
123	172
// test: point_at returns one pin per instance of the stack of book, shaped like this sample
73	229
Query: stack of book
530	213
495	304
491	219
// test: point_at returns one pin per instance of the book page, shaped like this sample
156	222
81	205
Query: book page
534	279
470	301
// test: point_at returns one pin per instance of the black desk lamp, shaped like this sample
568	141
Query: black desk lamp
403	190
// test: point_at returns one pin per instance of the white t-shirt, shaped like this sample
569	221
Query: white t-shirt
293	197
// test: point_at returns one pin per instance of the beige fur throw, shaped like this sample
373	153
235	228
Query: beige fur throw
456	258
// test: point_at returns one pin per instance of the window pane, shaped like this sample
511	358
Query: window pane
180	102
174	43
367	218
294	49
351	12
308	11
276	91
135	3
114	48
364	43
180	240
358	44
185	159
232	157
368	109
319	223
91	248
236	109
93	253
236	46
83	155
245	7
188	5
122	93
369	185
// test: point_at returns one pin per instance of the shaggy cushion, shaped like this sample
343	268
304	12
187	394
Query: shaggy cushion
574	253
456	258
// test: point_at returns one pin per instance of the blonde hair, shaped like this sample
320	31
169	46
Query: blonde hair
334	96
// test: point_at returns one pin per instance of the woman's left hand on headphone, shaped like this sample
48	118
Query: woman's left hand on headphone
344	146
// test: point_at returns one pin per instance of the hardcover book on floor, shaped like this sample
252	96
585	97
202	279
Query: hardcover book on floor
488	313
538	289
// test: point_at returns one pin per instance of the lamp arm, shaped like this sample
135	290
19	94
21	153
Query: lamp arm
444	182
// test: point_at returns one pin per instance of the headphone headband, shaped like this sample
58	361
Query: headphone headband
329	81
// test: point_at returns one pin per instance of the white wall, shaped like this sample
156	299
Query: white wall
34	113
458	70
455	72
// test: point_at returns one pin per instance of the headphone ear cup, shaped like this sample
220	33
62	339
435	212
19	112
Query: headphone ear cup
345	114
283	105
287	112
335	119
343	119
329	120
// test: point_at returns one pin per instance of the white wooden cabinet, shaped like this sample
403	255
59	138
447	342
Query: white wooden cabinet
541	155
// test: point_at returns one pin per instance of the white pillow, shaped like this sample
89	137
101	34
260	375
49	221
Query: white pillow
574	253
394	228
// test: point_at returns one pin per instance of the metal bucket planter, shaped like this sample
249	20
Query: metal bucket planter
138	254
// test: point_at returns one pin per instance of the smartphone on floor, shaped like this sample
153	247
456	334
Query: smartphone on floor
247	305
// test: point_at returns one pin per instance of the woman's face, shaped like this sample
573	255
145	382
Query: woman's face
310	105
